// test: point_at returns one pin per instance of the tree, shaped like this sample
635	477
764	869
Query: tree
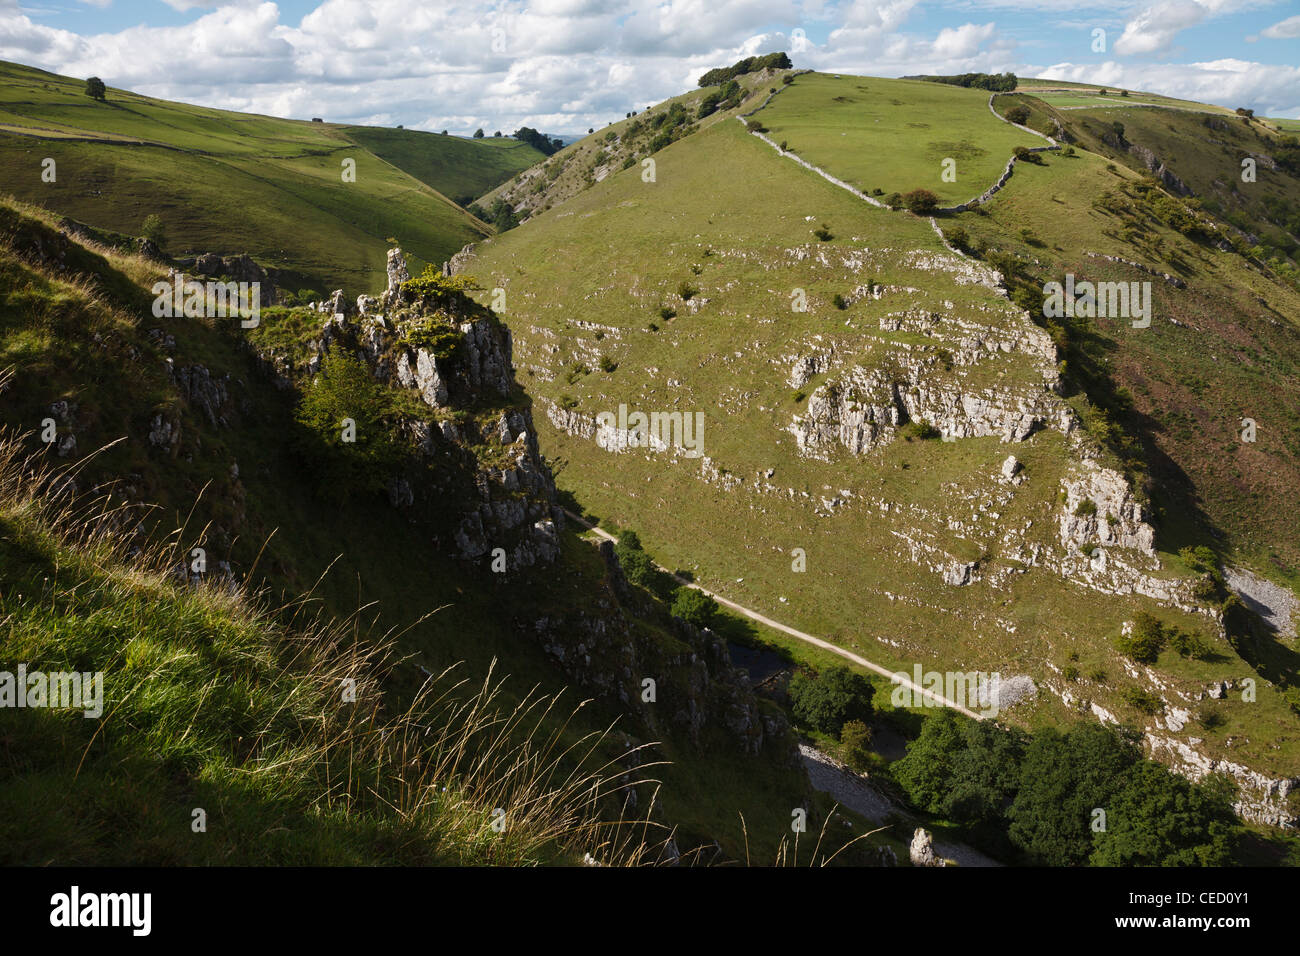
825	701
497	134
1160	819
1064	779
153	230
478	134
694	607
539	141
360	456
856	738
925	773
1144	642
1018	115
921	201
95	88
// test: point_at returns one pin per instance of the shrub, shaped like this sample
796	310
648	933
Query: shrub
823	232
1086	508
921	201
841	303
607	364
153	230
893	200
958	238
787	79
365	455
827	700
667	313
1018	115
919	430
1189	645
687	291
1145	641
856	738
754	126
1143	700
694	607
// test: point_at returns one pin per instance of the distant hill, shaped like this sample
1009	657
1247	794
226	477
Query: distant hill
229	183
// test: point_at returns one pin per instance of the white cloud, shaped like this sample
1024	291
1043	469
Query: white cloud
1271	90
1156	26
1285	30
560	65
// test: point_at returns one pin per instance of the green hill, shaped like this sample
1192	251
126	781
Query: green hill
460	168
230	183
650	296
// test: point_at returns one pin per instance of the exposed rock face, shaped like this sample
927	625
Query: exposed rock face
424	377
1261	799
487	362
240	268
1100	508
1160	170
397	274
860	409
512	497
921	850
205	393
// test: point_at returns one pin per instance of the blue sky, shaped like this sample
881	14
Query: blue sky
565	65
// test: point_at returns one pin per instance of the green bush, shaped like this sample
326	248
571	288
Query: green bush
694	606
918	430
922	202
827	700
1189	645
1145	641
856	738
360	457
1143	700
1018	115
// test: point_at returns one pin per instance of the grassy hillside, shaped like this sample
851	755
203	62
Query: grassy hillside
459	168
232	182
640	294
1223	348
894	135
75	328
626	144
221	736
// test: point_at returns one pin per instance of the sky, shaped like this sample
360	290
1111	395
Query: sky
563	66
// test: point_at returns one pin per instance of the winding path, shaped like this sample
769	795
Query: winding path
753	615
962	207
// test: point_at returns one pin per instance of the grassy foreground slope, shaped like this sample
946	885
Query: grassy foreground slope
228	182
638	294
223	736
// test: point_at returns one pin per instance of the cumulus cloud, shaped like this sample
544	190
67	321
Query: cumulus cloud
1156	26
1271	90
1284	30
566	65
